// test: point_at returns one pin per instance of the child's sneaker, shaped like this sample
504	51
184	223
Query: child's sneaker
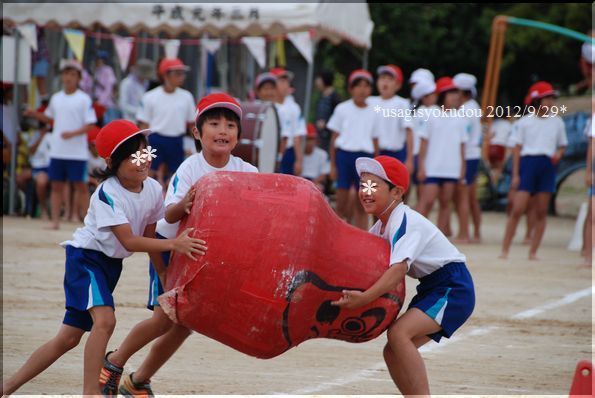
109	378
129	388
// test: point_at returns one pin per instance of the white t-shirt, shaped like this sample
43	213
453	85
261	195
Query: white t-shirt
95	163
445	134
473	143
111	205
422	114
190	171
413	238
167	113
291	120
189	145
316	164
41	158
70	112
539	135
500	131
392	122
356	127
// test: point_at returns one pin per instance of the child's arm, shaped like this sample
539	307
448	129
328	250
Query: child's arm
183	244
376	146
299	155
409	145
333	154
175	212
155	257
463	164
388	281
421	161
516	160
558	155
589	173
37	115
83	130
33	148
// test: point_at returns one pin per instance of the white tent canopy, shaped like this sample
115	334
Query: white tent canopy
333	21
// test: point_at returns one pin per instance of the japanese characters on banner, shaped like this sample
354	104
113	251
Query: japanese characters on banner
204	13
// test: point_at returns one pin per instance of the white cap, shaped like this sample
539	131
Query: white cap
421	74
70	63
588	53
466	82
422	88
372	166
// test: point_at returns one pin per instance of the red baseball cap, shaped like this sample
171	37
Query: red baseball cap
282	72
360	74
445	84
113	134
263	78
385	167
392	70
218	100
311	130
92	134
542	89
527	100
168	64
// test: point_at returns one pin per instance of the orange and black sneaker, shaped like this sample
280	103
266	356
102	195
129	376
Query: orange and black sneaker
130	388
109	378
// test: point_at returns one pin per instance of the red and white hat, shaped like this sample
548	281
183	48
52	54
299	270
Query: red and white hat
168	64
385	167
113	134
263	78
542	89
282	72
218	100
92	134
445	84
392	70
360	74
71	64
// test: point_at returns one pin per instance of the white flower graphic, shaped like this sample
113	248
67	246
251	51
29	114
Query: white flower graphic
368	187
138	158
149	152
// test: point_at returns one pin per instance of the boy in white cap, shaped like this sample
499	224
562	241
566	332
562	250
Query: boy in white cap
168	111
71	111
445	295
419	75
395	134
466	197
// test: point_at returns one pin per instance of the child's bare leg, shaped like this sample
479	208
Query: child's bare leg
65	340
104	322
463	213
161	351
56	198
142	334
445	198
519	205
41	186
429	193
82	201
541	203
531	220
405	364
475	212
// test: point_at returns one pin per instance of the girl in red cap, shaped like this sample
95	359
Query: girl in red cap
121	219
445	295
540	140
442	154
354	134
218	129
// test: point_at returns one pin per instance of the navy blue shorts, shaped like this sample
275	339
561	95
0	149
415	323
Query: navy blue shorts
346	173
440	180
447	296
36	170
67	170
89	281
538	174
155	287
287	161
400	155
170	150
471	169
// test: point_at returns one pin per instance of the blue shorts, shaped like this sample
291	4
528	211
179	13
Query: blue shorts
447	296
346	173
440	180
155	287
68	170
538	174
400	155
89	280
287	161
36	170
170	150
41	68
471	169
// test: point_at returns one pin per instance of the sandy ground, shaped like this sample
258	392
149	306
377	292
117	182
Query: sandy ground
501	350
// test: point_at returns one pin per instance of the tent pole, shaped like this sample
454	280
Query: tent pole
13	149
309	79
365	59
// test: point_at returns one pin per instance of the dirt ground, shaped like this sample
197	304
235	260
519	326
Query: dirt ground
533	321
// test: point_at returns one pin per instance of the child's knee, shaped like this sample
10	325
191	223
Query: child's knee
105	324
68	342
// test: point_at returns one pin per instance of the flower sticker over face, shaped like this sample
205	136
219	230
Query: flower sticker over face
138	158
368	187
149	153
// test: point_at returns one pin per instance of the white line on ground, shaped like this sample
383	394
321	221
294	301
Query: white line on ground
365	374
